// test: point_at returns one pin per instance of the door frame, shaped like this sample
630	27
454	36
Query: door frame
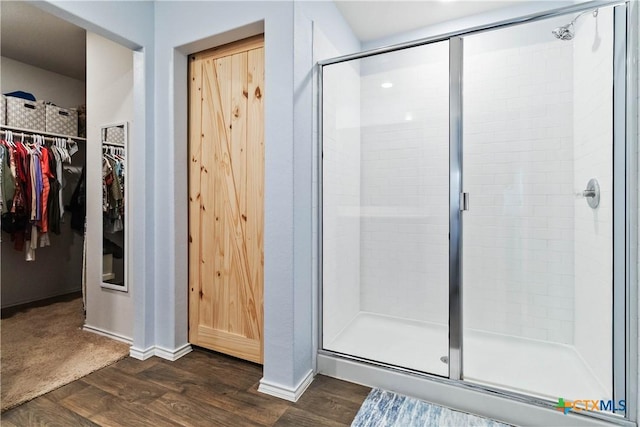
625	347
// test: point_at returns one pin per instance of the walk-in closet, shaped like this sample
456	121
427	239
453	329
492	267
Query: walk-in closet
66	303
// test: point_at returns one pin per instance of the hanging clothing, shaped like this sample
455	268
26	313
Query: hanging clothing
8	178
30	191
59	177
78	205
46	188
112	192
54	203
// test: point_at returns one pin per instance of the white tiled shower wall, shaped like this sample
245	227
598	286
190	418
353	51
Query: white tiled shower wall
521	266
341	195
592	125
404	184
518	163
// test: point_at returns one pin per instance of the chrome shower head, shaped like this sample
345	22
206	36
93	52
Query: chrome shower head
567	32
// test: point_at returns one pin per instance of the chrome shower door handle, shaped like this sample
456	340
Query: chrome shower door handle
464	201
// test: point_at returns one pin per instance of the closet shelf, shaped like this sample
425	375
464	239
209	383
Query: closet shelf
38	132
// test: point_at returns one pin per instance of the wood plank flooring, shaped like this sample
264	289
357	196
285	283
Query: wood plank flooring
201	389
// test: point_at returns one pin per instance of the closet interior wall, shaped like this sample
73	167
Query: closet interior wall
57	269
109	101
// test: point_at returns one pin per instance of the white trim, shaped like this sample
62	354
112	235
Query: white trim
173	355
455	397
164	353
286	393
107	334
140	354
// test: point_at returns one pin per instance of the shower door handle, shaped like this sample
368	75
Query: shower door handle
464	201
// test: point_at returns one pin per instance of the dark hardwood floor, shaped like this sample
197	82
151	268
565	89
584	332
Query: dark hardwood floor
200	389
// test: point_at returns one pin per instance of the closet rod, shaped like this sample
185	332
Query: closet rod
17	130
46	138
115	144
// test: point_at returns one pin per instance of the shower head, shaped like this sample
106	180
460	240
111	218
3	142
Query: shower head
568	32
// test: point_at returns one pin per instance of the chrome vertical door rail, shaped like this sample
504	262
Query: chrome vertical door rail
455	214
320	208
632	184
620	326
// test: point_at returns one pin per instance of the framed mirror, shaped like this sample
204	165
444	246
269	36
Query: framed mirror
114	205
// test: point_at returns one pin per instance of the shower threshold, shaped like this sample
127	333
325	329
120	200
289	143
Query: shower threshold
533	367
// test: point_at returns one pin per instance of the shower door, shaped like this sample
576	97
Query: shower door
385	207
537	236
470	189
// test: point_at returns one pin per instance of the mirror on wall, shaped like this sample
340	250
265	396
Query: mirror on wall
114	147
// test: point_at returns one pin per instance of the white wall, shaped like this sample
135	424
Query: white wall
131	24
109	101
206	21
288	283
341	193
43	84
518	170
593	153
159	247
405	182
57	269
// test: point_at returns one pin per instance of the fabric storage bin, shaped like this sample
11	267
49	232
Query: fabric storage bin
114	134
60	120
25	114
3	110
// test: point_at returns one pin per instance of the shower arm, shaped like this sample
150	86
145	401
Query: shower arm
594	12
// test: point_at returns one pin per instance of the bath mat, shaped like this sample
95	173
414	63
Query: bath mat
387	409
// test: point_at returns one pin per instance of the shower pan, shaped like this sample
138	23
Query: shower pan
474	205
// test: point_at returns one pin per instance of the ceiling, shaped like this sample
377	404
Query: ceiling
371	20
35	37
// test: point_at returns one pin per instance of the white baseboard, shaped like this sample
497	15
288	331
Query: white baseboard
107	334
140	354
290	394
173	355
164	353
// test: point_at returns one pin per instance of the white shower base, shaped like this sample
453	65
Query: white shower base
532	367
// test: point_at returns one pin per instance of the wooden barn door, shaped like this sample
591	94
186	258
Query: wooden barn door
226	198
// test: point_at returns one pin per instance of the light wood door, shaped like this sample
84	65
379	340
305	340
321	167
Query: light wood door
226	199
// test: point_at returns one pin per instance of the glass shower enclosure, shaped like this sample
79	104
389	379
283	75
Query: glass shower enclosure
386	208
469	205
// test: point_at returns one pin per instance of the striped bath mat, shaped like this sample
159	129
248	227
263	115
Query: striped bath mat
387	409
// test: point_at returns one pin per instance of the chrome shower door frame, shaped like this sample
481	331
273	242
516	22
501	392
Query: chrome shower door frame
625	172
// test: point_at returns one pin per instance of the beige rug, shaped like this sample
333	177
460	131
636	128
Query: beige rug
44	348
